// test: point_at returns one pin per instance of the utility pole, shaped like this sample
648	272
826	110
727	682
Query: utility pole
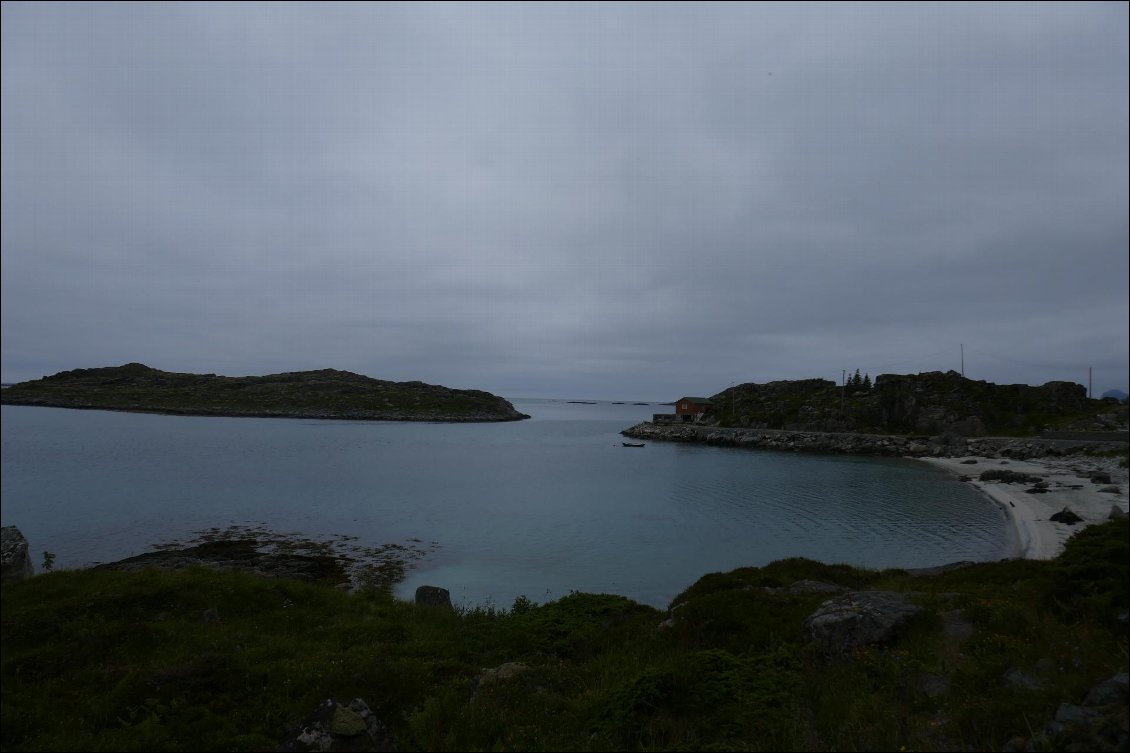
843	389
1089	382
963	360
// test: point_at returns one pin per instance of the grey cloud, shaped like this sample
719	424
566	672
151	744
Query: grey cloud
561	199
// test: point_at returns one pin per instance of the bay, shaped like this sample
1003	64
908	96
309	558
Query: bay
536	508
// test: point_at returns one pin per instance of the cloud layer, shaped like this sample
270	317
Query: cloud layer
576	200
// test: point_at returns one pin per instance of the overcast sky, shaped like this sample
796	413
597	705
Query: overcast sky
580	200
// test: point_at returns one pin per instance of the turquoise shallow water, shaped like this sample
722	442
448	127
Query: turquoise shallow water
535	508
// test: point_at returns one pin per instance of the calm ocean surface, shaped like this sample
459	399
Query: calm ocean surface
535	508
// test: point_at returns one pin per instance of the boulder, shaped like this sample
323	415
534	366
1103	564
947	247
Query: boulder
1008	477
1116	513
15	564
1114	689
858	619
1016	679
1098	725
1067	517
340	726
500	673
433	596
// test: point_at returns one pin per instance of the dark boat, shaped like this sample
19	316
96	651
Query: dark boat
629	444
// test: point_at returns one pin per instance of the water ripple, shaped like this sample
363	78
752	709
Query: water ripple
537	507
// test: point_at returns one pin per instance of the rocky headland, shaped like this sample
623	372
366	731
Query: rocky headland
933	414
326	393
930	403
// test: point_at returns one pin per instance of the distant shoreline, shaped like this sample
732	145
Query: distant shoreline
322	394
316	416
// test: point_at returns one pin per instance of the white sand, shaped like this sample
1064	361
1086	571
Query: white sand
1069	485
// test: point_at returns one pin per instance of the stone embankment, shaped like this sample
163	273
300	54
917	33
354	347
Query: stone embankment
942	446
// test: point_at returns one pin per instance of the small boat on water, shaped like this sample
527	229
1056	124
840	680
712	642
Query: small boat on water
630	444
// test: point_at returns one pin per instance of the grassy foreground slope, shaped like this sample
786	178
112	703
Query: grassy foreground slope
327	393
205	660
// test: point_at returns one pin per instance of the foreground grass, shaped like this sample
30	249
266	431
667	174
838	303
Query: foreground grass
201	660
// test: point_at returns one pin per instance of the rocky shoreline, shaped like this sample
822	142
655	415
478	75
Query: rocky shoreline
885	445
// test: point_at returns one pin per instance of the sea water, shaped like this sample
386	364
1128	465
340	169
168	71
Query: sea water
536	508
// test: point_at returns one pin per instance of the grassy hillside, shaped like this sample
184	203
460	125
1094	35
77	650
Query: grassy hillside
205	660
327	393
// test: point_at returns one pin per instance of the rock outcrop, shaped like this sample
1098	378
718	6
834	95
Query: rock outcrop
433	596
1099	724
338	725
1066	516
493	675
239	555
15	563
860	618
930	403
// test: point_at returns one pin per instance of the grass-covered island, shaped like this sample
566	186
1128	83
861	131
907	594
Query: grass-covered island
326	393
1011	655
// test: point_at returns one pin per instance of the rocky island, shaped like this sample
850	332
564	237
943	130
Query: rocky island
326	393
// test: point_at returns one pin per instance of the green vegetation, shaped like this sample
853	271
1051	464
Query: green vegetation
327	393
917	404
206	660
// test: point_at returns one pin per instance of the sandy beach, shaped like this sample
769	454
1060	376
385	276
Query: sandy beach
1069	485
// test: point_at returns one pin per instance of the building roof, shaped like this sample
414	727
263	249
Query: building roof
699	400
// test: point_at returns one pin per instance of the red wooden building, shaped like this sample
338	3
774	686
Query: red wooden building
690	408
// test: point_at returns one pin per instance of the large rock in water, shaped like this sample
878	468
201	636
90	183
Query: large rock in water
859	618
15	564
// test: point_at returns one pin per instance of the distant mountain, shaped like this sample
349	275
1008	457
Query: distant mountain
327	393
1117	394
